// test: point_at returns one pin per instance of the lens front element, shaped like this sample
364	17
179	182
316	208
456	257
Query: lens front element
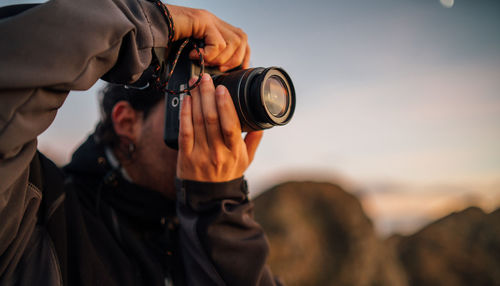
263	97
276	96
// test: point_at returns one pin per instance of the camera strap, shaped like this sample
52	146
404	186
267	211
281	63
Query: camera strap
162	68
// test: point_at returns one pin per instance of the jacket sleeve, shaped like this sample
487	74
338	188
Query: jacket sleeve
45	52
221	244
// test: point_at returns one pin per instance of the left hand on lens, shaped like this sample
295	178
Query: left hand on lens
211	148
226	46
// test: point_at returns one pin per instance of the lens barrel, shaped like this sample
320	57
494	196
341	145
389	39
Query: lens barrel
263	97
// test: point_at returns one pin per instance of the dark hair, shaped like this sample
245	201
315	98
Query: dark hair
141	99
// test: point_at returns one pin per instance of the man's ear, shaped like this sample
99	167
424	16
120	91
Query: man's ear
127	121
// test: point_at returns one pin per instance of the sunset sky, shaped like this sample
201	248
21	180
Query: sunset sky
398	99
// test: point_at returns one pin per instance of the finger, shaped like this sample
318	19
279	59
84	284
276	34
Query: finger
209	108
225	60
230	124
252	140
186	138
234	43
236	59
246	59
239	39
214	44
200	137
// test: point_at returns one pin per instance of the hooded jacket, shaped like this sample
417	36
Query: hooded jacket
86	225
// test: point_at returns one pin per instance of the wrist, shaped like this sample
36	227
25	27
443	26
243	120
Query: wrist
182	18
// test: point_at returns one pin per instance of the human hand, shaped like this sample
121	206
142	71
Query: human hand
211	148
226	46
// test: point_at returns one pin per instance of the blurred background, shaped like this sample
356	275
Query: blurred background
398	102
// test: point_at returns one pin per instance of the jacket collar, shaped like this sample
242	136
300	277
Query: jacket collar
90	166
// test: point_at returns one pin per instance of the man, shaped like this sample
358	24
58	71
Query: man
110	218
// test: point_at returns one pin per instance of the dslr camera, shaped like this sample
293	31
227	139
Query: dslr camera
263	97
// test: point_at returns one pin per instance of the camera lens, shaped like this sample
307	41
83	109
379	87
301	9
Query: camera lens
263	97
275	96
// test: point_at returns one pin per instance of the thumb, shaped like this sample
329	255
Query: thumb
252	140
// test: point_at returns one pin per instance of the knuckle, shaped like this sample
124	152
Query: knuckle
242	34
228	133
239	31
221	45
184	134
217	159
211	118
234	155
202	13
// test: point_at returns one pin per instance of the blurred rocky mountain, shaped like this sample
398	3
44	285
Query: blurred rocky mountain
462	248
320	235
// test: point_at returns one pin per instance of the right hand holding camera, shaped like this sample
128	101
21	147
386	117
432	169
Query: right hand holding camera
211	148
225	45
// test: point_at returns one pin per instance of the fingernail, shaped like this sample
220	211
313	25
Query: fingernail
206	77
220	90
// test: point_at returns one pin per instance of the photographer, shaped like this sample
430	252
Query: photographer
109	218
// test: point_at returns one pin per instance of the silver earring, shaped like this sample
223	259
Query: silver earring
131	148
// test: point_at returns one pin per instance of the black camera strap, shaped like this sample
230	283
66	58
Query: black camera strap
164	83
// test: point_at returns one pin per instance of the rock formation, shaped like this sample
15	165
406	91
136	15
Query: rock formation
320	235
462	248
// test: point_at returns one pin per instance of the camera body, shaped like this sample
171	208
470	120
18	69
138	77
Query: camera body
263	97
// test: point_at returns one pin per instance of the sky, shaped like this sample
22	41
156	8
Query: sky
399	100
